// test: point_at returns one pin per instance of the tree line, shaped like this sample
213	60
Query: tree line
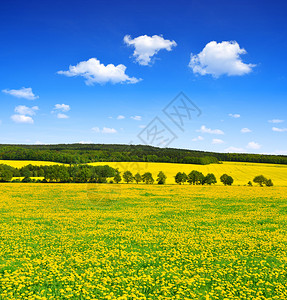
101	174
85	153
58	173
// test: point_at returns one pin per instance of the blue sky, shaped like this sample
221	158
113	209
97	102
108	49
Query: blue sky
131	59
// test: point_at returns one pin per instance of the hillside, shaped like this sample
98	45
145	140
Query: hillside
86	153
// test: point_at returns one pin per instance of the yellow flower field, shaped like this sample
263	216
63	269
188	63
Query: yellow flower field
23	163
119	241
241	172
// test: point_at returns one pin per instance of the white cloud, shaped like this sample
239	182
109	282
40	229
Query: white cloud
276	121
280	152
217	141
233	149
204	129
147	46
22	119
85	142
104	130
24	110
245	130
108	130
253	145
120	117
236	116
95	72
62	116
62	107
199	138
136	118
142	126
276	129
25	93
218	59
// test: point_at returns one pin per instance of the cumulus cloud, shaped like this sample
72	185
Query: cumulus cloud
61	110
62	116
276	121
218	59
235	116
276	129
217	141
25	93
234	150
120	117
199	138
136	118
62	107
253	145
22	119
204	129
24	110
95	72
104	130
147	46
245	130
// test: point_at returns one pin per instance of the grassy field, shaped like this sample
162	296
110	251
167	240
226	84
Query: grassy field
241	172
108	241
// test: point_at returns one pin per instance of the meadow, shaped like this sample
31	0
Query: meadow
119	241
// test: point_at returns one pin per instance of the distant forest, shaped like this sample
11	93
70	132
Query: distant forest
85	153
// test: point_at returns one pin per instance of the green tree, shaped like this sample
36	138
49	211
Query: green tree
209	179
178	178
269	182
147	178
161	178
118	178
184	178
138	178
128	176
26	179
226	179
260	180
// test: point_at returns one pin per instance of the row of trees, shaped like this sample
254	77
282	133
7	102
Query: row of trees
84	153
146	178
195	177
59	173
100	174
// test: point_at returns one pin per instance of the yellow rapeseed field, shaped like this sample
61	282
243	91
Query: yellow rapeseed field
119	241
241	172
23	163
